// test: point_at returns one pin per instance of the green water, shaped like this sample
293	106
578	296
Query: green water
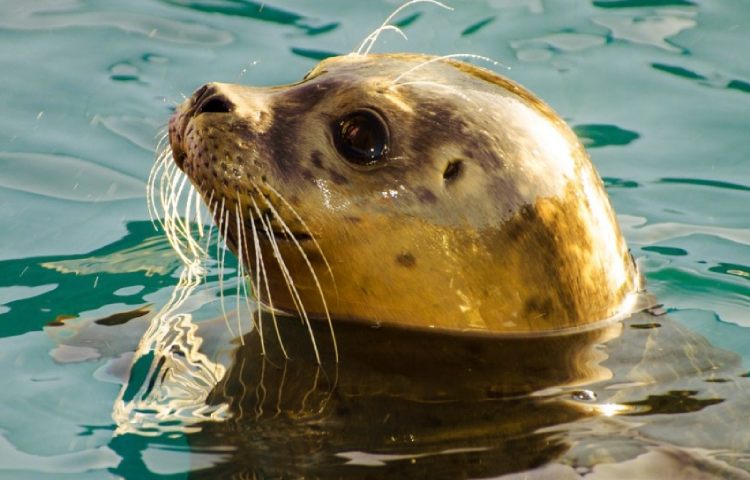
658	89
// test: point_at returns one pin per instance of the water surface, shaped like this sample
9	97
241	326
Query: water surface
658	89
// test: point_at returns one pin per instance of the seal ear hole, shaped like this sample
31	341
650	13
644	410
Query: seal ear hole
453	170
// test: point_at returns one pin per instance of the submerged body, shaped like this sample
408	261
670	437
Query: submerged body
407	190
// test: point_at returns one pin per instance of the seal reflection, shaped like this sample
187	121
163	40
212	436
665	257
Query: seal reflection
433	405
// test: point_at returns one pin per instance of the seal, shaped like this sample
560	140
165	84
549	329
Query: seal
407	190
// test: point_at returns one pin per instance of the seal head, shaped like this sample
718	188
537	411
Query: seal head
409	190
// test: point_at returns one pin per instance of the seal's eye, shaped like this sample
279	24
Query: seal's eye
362	137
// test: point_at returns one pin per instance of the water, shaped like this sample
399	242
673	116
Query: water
659	90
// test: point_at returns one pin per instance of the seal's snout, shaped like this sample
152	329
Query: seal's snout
208	99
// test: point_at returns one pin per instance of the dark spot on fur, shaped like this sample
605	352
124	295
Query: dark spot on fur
308	175
406	260
526	217
285	129
537	306
504	191
317	159
439	124
338	179
352	219
425	195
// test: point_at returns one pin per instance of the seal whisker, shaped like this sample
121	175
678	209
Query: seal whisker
269	234
162	136
445	57
221	256
169	201
259	262
186	218
240	275
150	201
212	207
296	298
161	162
302	222
372	38
254	284
290	282
159	171
209	236
167	193
198	215
450	88
310	268
186	223
177	186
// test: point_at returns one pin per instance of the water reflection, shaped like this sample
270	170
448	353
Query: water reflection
411	401
421	404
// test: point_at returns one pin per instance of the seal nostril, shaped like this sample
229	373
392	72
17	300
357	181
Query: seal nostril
198	95
215	104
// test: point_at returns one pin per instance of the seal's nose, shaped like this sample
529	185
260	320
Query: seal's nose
208	99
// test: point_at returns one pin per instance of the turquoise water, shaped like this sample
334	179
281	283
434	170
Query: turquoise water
659	90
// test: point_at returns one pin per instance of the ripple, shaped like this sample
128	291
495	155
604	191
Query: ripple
669	251
16	293
612	182
124	72
705	183
679	71
533	6
408	20
137	130
732	269
602	135
475	27
317	55
722	296
67	178
654	29
53	14
257	11
542	48
715	80
642	3
636	230
76	462
740	85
